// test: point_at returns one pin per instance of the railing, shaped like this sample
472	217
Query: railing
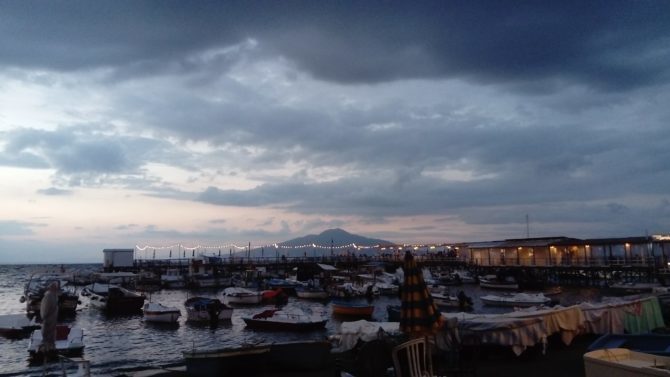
652	262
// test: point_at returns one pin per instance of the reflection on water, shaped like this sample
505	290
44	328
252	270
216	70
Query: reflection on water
126	342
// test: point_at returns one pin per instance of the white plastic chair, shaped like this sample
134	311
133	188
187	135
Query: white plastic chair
412	357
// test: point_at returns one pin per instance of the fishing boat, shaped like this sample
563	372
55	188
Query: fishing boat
113	299
16	325
351	309
69	342
156	312
285	320
237	295
657	344
34	290
201	309
493	282
315	293
622	362
302	358
517	299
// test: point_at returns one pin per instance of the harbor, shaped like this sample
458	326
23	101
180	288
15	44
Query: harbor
296	300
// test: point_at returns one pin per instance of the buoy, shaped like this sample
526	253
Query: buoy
22	299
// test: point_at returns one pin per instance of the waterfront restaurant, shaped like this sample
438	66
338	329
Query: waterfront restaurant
565	251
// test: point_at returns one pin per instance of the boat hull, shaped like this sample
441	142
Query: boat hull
69	342
305	357
268	325
512	303
115	300
312	295
498	285
656	344
162	316
621	362
353	310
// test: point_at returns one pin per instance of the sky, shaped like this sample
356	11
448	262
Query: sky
128	123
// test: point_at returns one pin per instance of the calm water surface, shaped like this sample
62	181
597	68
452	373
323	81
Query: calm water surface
122	343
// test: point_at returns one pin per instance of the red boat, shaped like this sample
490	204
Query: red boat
350	309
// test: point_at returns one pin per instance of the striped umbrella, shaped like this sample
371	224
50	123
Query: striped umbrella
418	314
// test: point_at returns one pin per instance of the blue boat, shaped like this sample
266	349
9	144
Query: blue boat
656	344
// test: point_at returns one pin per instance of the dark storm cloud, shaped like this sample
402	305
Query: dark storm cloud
84	154
608	45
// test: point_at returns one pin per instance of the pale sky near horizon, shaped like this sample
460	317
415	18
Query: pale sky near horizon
128	123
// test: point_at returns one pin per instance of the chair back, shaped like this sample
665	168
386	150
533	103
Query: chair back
412	359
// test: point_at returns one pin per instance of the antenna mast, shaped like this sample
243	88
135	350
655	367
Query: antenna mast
527	227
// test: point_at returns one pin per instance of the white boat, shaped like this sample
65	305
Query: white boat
16	325
464	276
443	300
204	309
286	320
237	295
621	362
518	299
173	279
69	341
492	282
156	312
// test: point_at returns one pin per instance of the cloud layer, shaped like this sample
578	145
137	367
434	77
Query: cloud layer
428	121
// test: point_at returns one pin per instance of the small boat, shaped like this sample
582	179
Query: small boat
173	279
518	299
461	301
201	309
464	276
634	287
208	281
113	299
656	344
387	289
622	362
156	312
275	296
16	325
34	290
492	282
315	293
287	285
302	358
285	320
350	309
237	295
69	342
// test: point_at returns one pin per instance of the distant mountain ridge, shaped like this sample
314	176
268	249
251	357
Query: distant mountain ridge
338	237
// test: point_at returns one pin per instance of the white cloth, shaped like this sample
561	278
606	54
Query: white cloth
351	332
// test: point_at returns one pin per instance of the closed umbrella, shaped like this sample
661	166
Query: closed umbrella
418	314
